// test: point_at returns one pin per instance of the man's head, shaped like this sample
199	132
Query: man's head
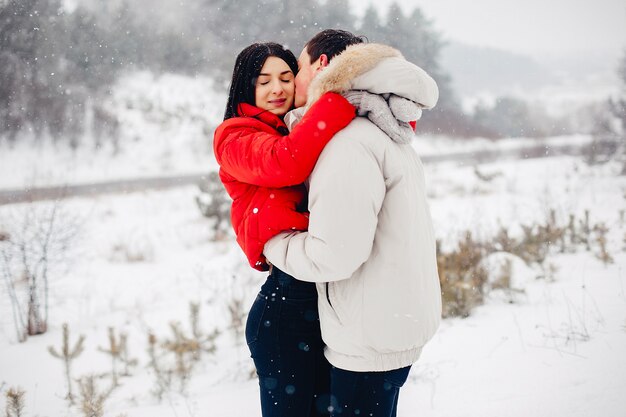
317	54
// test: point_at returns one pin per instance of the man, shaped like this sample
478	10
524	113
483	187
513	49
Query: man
370	246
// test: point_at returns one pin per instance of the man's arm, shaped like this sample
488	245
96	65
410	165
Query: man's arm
259	157
346	193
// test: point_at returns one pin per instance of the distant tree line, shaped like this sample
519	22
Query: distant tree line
57	65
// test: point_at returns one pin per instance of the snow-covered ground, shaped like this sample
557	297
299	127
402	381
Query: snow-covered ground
140	258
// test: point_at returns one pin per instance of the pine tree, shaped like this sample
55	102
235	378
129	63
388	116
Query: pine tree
15	402
91	53
371	25
337	14
30	64
68	354
619	109
620	105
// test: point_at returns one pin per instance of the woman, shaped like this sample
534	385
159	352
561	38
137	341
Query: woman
263	167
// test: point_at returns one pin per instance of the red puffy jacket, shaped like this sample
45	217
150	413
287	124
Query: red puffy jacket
263	168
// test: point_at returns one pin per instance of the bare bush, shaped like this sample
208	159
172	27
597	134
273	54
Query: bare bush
31	251
462	277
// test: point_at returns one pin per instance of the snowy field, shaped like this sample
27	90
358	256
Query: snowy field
555	347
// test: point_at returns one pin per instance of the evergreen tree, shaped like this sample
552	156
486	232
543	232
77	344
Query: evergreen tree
220	25
371	25
619	107
296	21
397	31
126	36
92	56
418	41
337	14
31	66
509	117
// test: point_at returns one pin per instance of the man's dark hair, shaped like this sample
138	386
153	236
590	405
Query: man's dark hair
247	69
331	42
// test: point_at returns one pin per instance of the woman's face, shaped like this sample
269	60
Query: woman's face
275	88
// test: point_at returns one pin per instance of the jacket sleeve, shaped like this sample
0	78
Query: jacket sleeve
345	197
269	159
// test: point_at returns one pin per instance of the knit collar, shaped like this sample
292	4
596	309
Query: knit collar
267	117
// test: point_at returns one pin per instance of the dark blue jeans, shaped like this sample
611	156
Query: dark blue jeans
366	394
285	342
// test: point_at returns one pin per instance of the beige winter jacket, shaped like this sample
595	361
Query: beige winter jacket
370	245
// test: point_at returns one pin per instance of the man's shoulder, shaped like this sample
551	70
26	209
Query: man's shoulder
361	132
361	142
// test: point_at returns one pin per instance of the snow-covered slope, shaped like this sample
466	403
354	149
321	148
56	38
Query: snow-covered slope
166	126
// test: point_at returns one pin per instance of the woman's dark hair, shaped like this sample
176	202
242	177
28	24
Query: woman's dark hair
331	42
247	69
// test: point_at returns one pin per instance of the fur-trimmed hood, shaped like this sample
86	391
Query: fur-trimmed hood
379	69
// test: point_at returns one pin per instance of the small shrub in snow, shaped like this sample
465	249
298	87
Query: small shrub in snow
163	377
540	239
15	403
118	351
486	177
507	276
91	400
185	350
206	341
601	230
503	280
462	277
214	203
237	315
469	271
582	235
133	248
67	355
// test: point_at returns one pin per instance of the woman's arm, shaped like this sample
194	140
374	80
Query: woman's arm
254	156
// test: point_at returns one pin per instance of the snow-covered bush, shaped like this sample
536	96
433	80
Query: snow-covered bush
214	203
477	267
462	277
33	248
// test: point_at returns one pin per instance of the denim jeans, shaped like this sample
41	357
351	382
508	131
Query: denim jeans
366	394
285	342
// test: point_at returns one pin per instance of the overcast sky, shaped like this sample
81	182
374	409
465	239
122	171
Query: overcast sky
535	27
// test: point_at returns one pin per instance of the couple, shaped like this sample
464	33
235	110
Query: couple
334	206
